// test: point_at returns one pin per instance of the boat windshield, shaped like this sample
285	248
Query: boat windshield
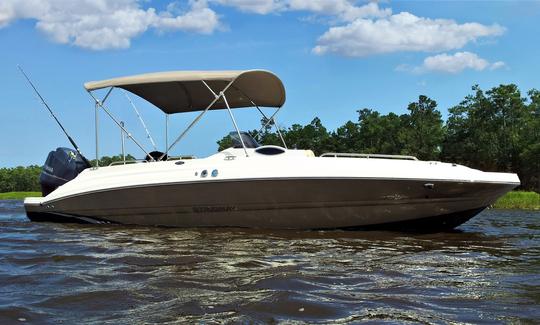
248	140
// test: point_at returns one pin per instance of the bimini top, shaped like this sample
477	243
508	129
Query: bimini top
184	91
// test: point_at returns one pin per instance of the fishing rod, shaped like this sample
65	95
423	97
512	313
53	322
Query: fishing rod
54	116
141	120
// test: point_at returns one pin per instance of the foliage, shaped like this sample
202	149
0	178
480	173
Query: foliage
422	130
19	179
378	133
313	136
519	200
18	195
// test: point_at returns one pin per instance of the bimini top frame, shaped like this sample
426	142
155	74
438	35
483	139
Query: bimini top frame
184	91
189	91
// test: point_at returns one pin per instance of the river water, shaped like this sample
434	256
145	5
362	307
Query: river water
487	272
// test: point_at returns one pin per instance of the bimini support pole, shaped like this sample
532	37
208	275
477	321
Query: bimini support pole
97	134
128	134
123	143
222	94
216	97
279	133
234	122
166	134
272	119
275	124
97	124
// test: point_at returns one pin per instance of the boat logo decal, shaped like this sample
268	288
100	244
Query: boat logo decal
207	209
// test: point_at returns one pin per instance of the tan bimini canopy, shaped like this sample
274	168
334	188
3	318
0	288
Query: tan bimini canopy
184	91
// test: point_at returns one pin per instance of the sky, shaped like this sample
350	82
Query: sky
333	56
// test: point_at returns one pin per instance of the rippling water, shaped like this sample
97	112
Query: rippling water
50	273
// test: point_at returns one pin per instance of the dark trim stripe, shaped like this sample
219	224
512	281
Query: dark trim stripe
234	180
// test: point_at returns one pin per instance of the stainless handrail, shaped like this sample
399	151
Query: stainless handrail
135	161
366	155
184	157
127	162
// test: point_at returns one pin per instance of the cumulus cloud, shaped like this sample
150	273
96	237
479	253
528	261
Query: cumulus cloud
262	7
102	24
401	32
360	28
454	63
342	9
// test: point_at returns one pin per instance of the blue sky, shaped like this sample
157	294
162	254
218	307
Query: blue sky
334	57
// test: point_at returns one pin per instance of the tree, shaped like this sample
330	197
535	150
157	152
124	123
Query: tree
378	133
422	130
20	179
313	136
267	136
346	138
530	154
468	139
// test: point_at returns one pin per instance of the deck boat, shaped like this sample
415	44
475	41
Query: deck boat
252	185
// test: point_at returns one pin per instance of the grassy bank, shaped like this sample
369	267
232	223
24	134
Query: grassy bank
17	195
519	200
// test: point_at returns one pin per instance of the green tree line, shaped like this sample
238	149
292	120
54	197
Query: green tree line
493	130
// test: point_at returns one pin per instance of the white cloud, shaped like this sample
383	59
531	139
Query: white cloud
497	65
370	29
262	7
361	27
199	19
343	9
401	32
455	63
7	14
102	24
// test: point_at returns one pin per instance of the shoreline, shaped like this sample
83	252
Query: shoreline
18	195
514	200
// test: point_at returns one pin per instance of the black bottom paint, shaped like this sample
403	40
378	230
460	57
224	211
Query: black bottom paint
430	224
51	217
444	222
58	218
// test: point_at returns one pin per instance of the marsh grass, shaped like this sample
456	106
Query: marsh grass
519	200
18	195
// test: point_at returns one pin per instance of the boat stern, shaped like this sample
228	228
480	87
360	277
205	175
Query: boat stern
37	211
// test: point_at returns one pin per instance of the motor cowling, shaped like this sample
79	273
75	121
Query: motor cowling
62	165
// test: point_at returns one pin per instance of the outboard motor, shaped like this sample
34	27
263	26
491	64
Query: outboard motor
61	166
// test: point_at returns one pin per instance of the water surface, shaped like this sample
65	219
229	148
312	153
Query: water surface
488	272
